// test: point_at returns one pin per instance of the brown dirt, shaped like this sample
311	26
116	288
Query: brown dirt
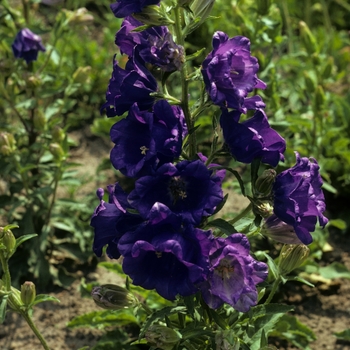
325	309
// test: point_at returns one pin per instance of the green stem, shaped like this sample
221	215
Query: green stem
6	272
242	214
288	23
34	329
184	84
274	290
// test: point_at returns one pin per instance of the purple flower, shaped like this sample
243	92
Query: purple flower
163	254
27	45
155	45
144	140
233	274
188	188
253	138
123	8
111	220
298	197
134	84
229	73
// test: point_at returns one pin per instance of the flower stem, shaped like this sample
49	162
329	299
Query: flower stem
242	214
6	271
274	290
35	330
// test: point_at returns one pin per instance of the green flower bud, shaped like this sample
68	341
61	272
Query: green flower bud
57	151
28	293
78	17
39	121
184	3
327	70
309	82
33	82
263	6
162	337
264	183
308	38
5	150
225	340
82	75
291	257
113	297
58	134
7	140
153	15
14	299
264	208
9	241
201	9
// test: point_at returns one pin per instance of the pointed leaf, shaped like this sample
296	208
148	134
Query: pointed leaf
40	298
343	335
24	238
222	225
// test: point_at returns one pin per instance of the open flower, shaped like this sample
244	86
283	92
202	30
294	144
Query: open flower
229	72
123	8
27	45
188	188
298	197
145	140
233	274
111	220
134	84
253	138
155	45
165	255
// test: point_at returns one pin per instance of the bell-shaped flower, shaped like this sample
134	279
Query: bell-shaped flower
165	255
299	199
27	45
155	45
229	73
253	138
188	188
128	86
233	274
123	8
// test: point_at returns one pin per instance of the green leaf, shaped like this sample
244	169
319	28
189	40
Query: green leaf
3	306
41	298
105	318
222	225
343	335
24	238
334	270
113	267
338	223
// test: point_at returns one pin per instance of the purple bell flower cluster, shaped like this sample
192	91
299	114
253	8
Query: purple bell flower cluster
159	226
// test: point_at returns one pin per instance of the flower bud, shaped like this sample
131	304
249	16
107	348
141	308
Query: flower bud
9	241
320	97
184	3
57	151
57	134
33	82
225	340
279	231
308	38
28	293
82	75
162	337
264	183
113	297
291	257
2	231
201	10
327	70
309	82
80	16
153	15
39	121
264	208
14	299
7	143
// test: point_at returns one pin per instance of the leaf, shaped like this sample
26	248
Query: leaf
334	270
222	225
41	298
338	223
105	318
3	306
343	335
113	267
24	238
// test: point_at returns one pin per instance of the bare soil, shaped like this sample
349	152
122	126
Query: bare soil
325	309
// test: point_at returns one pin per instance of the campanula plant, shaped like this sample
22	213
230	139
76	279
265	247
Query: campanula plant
167	229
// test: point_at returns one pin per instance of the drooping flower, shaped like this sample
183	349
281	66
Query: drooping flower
129	86
253	138
233	274
124	8
155	45
145	140
27	45
111	220
229	73
188	188
299	199
165	255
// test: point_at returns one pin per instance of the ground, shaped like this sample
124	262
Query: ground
325	309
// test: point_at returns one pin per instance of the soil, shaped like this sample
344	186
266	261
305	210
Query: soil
325	309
